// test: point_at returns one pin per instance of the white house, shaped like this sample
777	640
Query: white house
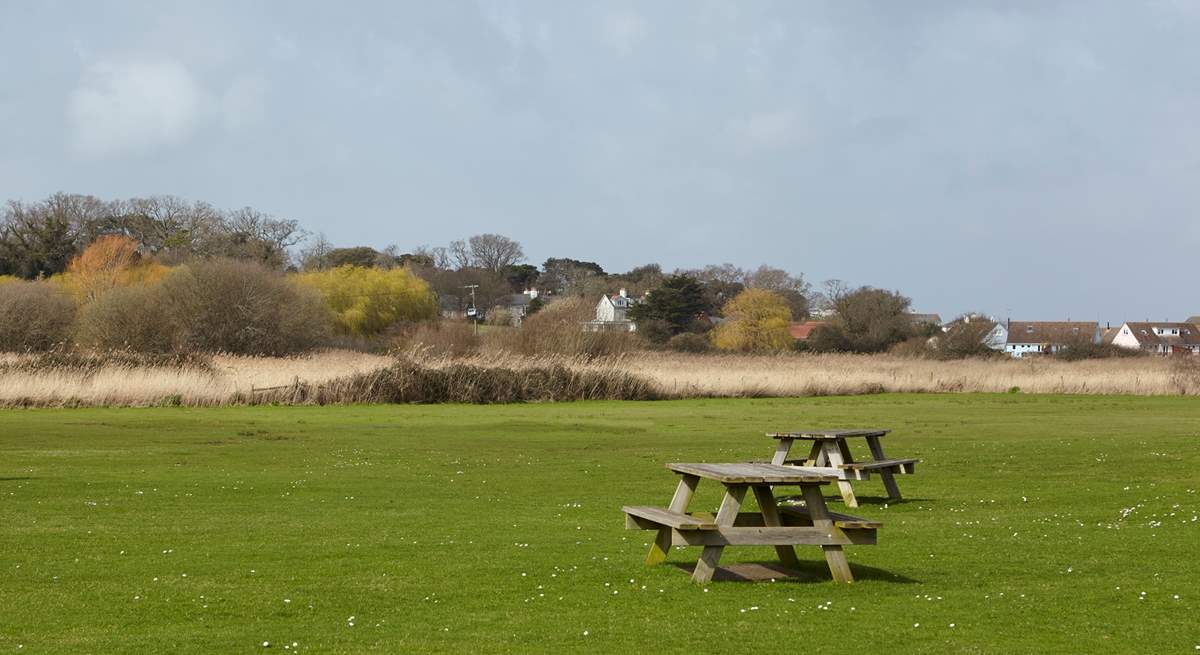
997	337
1047	337
1159	338
611	314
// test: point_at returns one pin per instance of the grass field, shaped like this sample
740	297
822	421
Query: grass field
1034	524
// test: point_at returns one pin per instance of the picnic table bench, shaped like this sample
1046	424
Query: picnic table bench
773	525
831	453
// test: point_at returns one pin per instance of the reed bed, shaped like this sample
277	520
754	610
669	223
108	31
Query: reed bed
339	376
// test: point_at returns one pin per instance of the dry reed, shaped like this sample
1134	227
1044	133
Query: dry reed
338	376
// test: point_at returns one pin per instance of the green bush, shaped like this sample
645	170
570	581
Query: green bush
689	342
34	316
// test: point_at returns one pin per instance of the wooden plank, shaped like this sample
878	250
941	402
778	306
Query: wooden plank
835	557
710	557
750	473
679	503
833	454
663	516
782	448
839	520
896	464
829	434
885	474
770	514
780	537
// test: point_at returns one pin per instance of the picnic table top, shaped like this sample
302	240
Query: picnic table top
756	473
830	433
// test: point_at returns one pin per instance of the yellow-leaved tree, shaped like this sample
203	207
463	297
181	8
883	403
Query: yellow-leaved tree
109	262
756	321
367	301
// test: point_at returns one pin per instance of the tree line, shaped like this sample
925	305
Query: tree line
82	239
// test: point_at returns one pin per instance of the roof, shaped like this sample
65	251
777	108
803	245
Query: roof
1194	320
1050	331
802	331
921	319
516	300
1189	334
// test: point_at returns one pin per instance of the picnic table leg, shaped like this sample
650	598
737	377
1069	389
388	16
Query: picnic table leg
770	512
816	455
711	555
835	557
832	453
679	503
889	480
782	448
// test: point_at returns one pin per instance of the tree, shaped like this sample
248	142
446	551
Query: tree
564	275
677	301
521	276
366	301
315	257
865	320
109	262
494	252
364	256
36	240
793	289
756	321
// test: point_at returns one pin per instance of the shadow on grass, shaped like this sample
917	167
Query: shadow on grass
813	571
16	479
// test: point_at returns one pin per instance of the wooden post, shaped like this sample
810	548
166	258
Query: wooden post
770	512
706	566
679	503
889	480
832	452
782	447
835	557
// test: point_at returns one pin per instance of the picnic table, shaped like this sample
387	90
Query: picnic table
773	525
831	453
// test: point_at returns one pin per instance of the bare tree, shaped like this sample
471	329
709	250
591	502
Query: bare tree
458	254
494	251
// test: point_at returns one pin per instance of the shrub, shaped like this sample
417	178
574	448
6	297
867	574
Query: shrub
243	308
408	382
655	331
756	320
134	318
866	320
689	342
500	317
34	316
367	301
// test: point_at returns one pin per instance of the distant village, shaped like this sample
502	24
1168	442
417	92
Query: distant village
1017	339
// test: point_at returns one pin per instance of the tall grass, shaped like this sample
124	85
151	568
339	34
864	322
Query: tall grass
506	376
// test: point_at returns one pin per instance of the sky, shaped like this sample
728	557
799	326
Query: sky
1032	159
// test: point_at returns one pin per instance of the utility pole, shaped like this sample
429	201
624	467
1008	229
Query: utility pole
473	310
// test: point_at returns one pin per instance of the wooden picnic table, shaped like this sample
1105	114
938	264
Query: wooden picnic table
773	525
831	453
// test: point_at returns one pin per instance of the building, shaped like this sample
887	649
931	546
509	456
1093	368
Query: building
923	321
612	313
517	305
1159	338
803	331
1047	337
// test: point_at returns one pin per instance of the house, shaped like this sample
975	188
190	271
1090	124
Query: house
611	314
1159	338
517	305
997	337
1048	337
803	331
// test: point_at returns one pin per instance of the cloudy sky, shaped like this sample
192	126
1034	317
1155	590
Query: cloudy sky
1037	158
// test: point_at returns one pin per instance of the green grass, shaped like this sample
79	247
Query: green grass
1033	524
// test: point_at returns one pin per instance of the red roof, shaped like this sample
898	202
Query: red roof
802	331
